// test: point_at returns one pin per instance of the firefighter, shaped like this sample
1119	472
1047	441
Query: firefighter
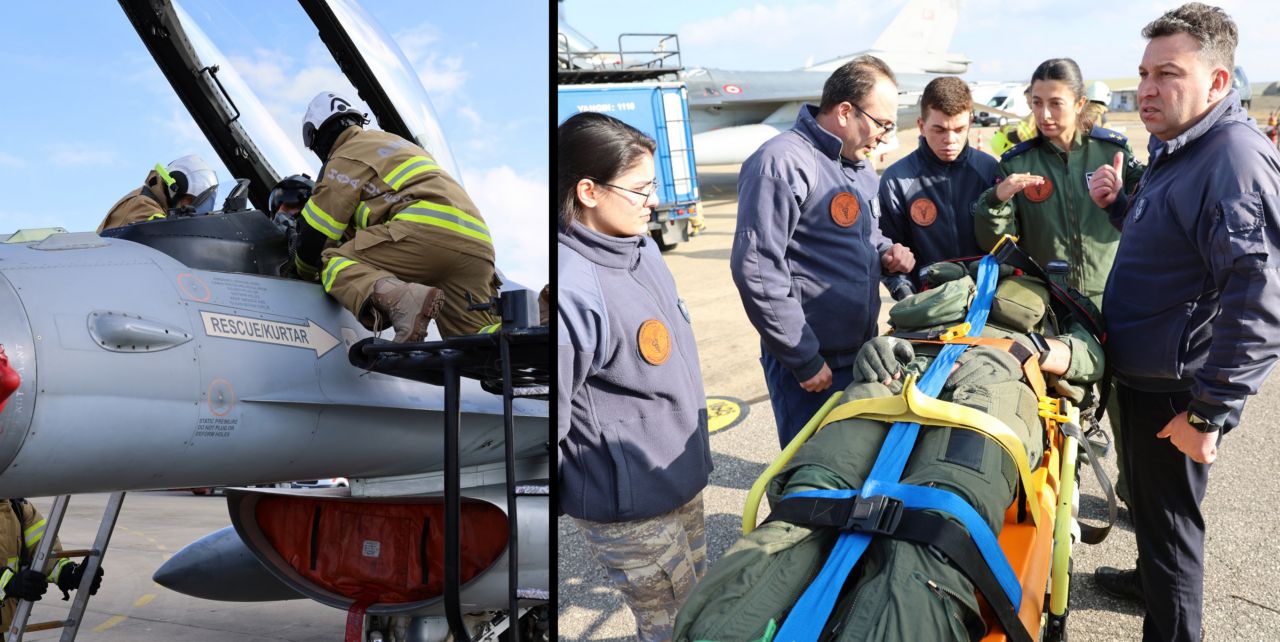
411	244
1095	111
21	527
187	182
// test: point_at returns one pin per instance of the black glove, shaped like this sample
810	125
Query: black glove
881	360
71	576
26	584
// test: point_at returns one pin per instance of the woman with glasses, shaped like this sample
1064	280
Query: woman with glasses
634	453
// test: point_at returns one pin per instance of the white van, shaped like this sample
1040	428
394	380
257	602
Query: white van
1009	99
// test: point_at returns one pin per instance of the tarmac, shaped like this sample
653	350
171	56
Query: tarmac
130	607
1242	561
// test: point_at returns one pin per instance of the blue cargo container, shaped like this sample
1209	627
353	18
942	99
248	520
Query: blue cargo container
661	110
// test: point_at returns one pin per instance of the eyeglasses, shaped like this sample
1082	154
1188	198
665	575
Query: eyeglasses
887	127
653	187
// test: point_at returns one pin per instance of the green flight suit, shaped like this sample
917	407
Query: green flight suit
1060	222
901	590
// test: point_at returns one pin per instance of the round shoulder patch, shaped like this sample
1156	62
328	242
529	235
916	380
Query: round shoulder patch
923	212
655	342
845	209
1039	193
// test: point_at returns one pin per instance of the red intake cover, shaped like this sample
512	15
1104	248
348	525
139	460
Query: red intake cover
376	552
9	379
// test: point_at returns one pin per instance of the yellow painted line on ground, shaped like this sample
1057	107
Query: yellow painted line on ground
112	621
116	619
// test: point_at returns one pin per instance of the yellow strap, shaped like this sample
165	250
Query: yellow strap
490	329
762	482
156	216
164	175
916	407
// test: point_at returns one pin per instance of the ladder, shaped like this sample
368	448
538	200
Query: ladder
44	551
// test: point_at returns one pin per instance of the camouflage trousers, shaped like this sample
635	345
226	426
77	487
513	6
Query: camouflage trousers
655	563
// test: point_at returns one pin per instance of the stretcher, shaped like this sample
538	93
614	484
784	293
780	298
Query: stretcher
1040	526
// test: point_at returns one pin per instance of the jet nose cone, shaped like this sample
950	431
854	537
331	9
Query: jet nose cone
219	566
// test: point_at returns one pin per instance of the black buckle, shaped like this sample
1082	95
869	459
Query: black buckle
876	514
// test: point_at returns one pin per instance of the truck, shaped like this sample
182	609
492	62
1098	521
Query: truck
660	110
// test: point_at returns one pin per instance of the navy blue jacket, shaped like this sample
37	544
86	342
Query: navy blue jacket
1193	298
806	254
631	424
926	203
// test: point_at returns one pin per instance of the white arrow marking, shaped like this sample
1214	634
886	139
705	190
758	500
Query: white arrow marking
310	336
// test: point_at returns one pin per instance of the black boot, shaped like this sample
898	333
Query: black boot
1126	585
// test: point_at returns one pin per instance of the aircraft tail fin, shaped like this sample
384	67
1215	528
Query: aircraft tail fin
921	25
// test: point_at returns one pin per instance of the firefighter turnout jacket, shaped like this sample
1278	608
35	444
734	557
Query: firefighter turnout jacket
19	536
146	204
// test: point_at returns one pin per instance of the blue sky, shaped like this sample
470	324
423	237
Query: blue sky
1006	40
88	112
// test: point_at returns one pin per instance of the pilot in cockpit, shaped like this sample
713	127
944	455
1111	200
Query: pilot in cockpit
187	186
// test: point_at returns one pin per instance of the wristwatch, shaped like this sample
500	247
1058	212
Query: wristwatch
1041	345
1200	423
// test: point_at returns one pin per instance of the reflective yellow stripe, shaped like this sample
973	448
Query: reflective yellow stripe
450	218
33	534
336	265
362	215
5	577
164	174
322	222
408	169
57	570
156	216
12	562
304	269
490	329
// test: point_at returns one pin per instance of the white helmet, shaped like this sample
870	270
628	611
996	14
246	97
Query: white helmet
1098	92
326	106
190	175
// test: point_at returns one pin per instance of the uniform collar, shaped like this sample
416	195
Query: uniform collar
602	249
927	154
1227	109
826	142
346	135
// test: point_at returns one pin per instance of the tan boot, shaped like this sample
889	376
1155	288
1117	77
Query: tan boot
410	306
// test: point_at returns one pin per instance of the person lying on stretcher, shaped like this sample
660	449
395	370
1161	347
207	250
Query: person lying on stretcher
901	590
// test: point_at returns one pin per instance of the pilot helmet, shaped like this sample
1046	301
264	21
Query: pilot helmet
190	175
294	190
325	108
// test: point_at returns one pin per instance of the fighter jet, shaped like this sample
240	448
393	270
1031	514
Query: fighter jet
733	112
175	353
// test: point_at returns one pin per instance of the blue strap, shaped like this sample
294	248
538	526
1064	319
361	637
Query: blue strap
810	613
925	498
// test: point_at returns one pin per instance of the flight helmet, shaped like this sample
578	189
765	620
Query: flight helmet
328	113
294	190
190	175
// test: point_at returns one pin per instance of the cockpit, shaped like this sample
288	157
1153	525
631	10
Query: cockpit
260	145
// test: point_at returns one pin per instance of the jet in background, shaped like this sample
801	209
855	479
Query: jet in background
733	112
